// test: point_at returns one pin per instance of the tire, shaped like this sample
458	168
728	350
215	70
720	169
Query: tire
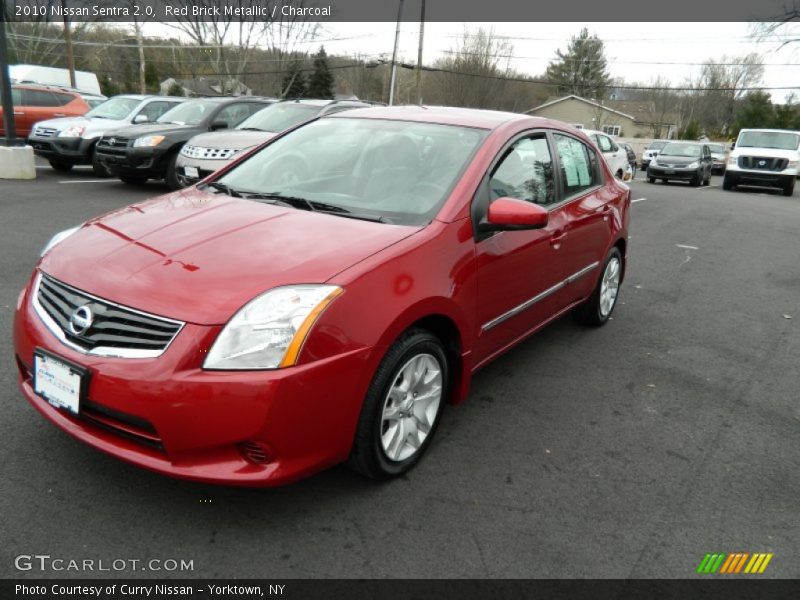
728	182
98	168
376	452
696	180
597	309
171	174
707	179
61	166
133	179
788	189
651	179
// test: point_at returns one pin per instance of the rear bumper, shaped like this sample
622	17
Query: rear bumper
74	150
169	415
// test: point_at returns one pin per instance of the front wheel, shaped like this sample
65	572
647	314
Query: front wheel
402	407
727	182
597	309
651	179
171	175
61	166
788	189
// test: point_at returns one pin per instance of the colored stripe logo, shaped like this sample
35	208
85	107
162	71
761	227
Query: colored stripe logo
735	563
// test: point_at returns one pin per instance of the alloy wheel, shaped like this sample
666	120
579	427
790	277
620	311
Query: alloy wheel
609	286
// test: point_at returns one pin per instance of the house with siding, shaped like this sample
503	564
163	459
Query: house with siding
619	118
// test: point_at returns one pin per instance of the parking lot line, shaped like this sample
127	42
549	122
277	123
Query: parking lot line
638	200
84	181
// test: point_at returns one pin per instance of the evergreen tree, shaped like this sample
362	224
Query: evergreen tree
320	84
294	82
582	69
756	111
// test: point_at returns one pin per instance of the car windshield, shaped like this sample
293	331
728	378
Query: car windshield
717	148
279	116
684	150
780	140
188	113
379	170
657	145
115	108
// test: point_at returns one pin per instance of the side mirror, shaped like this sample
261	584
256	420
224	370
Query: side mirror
733	145
511	213
140	119
219	124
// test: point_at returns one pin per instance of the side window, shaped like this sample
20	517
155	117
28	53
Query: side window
233	114
38	98
61	99
578	165
153	110
525	173
16	97
604	143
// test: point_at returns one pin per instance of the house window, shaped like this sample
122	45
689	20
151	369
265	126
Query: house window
614	130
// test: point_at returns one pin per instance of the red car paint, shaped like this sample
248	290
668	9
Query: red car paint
198	257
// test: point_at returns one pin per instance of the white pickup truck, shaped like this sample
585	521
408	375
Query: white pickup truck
764	157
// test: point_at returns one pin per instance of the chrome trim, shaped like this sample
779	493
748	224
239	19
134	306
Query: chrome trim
104	351
539	297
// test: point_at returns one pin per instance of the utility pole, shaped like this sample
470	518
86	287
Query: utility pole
68	44
394	54
138	29
5	86
419	52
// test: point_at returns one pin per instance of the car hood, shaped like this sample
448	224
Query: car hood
94	127
231	139
199	257
677	160
166	129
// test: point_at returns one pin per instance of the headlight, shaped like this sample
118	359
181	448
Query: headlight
57	238
269	331
731	160
72	131
793	164
148	141
693	165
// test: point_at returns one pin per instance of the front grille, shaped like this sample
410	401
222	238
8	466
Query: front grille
762	163
114	330
113	141
44	132
208	153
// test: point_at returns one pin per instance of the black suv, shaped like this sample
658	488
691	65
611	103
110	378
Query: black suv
141	152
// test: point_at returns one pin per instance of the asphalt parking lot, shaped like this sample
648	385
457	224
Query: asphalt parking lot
627	451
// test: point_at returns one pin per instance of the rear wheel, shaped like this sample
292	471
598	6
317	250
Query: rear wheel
403	406
61	165
598	308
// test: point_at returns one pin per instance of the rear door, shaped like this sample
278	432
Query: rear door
587	212
520	273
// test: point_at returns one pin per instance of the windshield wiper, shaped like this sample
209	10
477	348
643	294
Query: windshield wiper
251	129
312	205
222	187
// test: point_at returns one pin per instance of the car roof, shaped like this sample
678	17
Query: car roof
692	142
229	99
42	86
771	130
447	115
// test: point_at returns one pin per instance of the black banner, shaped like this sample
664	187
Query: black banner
387	10
400	589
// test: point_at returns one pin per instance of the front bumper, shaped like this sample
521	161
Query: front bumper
138	162
169	415
74	150
780	179
204	167
676	173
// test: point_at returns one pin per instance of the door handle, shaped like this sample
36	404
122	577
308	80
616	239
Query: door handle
19	114
557	237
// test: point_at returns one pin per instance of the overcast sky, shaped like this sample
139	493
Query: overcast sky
634	50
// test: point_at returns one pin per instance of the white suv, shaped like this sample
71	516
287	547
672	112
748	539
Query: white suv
764	157
616	157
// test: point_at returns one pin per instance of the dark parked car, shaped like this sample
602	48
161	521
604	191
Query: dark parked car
682	161
149	151
631	157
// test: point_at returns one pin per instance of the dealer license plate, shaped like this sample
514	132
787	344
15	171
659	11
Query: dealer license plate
669	172
58	381
191	172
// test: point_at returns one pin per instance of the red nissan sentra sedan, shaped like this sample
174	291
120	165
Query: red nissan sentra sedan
323	297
